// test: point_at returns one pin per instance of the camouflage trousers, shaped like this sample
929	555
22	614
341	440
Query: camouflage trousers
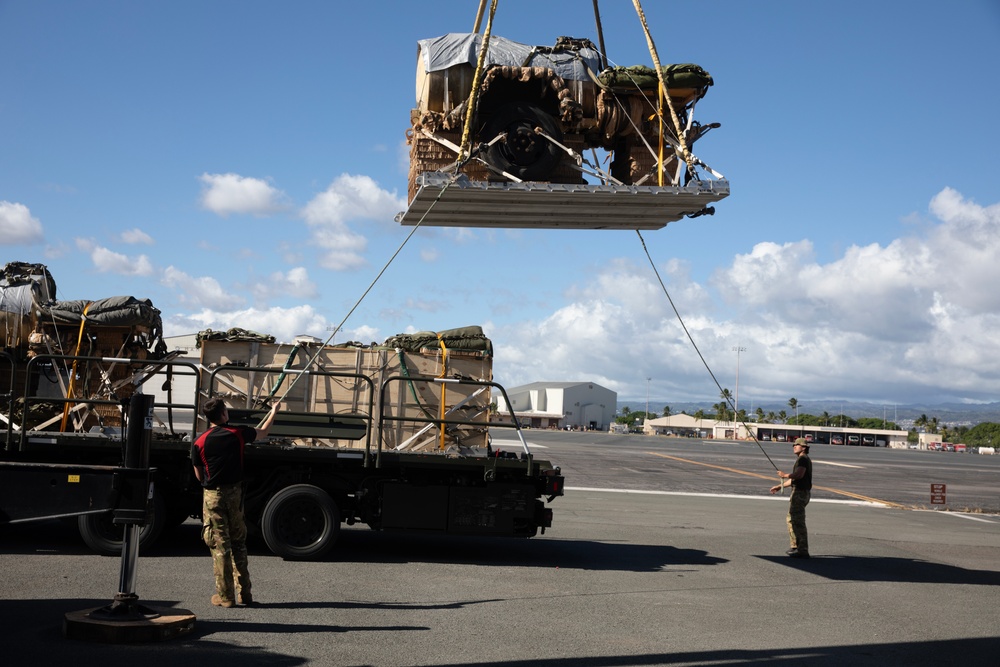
225	533
797	533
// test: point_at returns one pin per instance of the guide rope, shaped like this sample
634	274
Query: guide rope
357	303
695	346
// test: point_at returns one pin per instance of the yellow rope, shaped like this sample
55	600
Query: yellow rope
474	93
72	375
479	16
442	411
684	153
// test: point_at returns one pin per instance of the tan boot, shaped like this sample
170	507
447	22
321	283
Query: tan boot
219	602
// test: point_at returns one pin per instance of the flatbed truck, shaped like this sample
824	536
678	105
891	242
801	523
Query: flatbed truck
297	495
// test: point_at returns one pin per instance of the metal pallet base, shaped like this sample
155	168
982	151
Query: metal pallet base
447	200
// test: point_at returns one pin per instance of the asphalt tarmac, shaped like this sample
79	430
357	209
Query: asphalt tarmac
626	576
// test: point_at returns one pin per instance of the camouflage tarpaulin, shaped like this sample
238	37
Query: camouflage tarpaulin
684	75
234	334
116	311
463	338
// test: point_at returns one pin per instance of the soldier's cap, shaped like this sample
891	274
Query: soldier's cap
800	441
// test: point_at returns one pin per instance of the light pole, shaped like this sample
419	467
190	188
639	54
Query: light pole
647	397
737	350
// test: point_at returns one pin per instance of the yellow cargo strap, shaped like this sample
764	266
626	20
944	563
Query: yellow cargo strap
72	375
685	154
442	409
470	109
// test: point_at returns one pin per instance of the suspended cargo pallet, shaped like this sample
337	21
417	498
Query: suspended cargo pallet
444	200
538	113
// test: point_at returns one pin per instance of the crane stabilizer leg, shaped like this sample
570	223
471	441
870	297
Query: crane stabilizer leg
126	620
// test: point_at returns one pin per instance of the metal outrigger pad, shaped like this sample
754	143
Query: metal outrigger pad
447	200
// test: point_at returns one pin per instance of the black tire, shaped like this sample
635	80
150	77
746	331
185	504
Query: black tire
524	154
100	533
300	522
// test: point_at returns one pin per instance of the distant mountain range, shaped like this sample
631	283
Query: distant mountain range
952	414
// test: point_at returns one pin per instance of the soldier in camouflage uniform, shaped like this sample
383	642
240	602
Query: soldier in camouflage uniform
217	457
800	479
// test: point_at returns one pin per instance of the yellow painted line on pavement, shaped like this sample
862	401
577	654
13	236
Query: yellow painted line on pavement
849	494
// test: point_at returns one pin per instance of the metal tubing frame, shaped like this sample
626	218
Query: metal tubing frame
515	424
138	363
293	371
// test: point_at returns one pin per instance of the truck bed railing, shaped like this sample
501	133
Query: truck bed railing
352	422
85	410
438	426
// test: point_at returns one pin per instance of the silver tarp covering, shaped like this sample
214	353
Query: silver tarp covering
457	48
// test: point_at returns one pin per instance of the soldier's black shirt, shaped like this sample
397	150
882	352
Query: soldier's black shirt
218	452
805	482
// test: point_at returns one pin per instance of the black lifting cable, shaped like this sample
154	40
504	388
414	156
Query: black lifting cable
336	330
695	346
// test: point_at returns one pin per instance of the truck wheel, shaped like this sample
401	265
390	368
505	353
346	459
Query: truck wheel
524	154
300	522
104	537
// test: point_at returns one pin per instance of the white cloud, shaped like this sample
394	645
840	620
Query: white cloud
282	323
17	226
199	292
915	319
136	237
294	284
108	261
224	194
347	198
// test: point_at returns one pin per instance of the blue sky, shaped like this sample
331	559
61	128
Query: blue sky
240	164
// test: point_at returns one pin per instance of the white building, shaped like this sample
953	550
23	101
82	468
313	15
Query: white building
686	425
578	405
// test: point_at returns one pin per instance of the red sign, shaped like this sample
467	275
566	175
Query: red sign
938	494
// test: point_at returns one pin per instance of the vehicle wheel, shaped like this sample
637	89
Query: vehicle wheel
300	522
103	536
524	154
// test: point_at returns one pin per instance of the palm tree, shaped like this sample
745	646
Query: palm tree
783	416
771	417
666	410
699	415
727	400
760	414
793	403
826	418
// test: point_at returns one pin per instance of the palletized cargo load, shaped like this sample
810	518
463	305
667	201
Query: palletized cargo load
315	379
505	134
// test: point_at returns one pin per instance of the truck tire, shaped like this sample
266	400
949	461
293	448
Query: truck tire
100	533
524	154
300	522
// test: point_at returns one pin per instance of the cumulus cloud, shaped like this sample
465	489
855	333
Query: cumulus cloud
108	261
911	320
293	284
348	198
224	194
282	323
203	292
136	237
17	226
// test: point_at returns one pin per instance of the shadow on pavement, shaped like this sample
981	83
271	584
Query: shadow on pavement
31	634
539	552
903	570
363	545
